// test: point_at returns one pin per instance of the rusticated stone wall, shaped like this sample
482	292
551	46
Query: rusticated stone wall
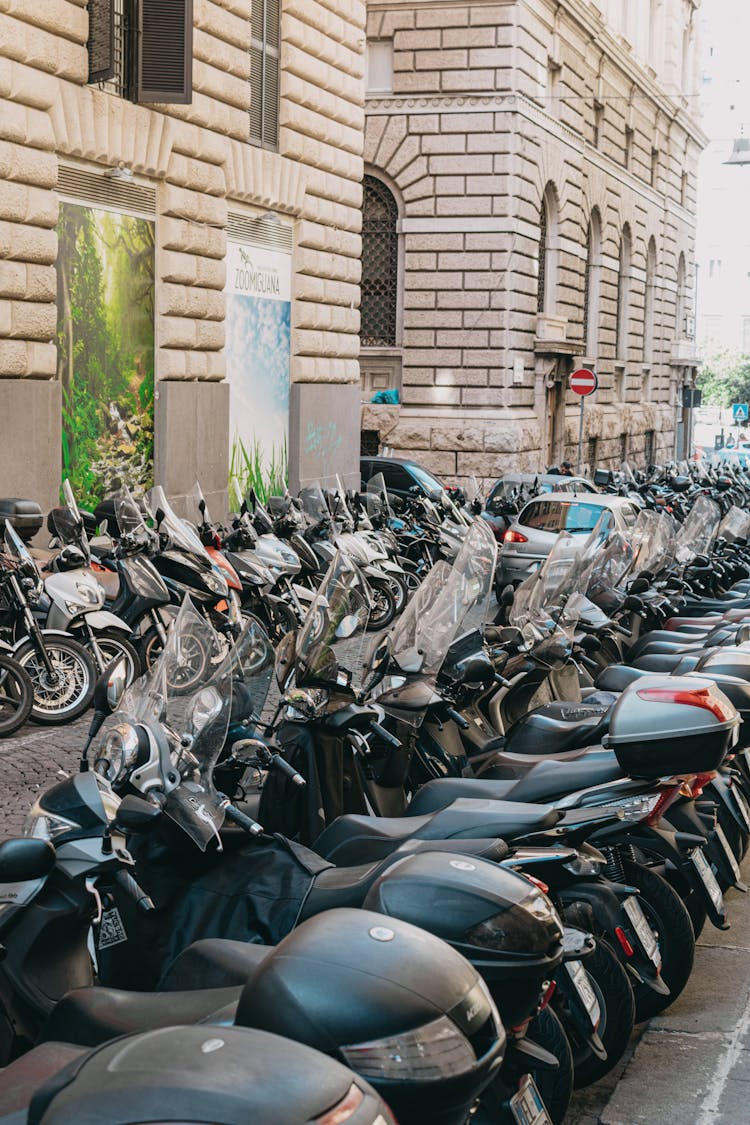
494	103
199	158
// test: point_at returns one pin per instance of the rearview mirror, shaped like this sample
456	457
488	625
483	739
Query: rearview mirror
136	814
640	585
508	595
25	858
110	687
348	626
590	643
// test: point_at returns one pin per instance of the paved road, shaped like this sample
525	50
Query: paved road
690	1066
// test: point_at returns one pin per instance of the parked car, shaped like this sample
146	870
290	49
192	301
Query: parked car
402	476
502	502
531	536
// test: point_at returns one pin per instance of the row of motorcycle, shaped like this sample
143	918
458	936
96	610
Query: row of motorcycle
111	581
432	872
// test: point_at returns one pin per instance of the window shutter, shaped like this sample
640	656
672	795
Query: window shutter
165	51
264	72
256	93
101	42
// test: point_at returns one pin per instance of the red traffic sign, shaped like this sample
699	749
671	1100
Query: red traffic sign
583	381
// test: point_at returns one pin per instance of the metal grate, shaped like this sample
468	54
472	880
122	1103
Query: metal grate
542	274
122	45
623	447
648	448
101	40
369	443
260	232
379	308
117	195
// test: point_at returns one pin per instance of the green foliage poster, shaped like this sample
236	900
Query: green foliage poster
105	350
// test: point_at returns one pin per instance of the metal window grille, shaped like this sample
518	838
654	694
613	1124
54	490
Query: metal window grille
542	274
369	443
379	301
264	73
587	288
122	47
648	447
623	447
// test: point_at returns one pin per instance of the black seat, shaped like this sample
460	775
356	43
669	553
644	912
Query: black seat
671	663
560	726
213	963
443	791
90	1016
552	779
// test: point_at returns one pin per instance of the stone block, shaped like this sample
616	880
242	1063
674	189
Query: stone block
467	80
442	17
191	431
456	437
31	413
324	422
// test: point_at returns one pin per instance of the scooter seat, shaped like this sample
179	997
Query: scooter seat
671	663
560	726
20	1081
90	1016
213	963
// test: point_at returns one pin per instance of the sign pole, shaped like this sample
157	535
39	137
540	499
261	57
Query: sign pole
583	382
580	435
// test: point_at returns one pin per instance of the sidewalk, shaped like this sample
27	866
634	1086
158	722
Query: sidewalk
690	1066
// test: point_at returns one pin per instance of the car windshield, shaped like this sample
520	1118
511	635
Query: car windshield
572	516
426	479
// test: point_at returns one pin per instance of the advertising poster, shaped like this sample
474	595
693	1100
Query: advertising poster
257	350
105	350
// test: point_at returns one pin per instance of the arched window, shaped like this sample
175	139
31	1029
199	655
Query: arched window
680	309
623	295
548	243
592	284
648	302
379	300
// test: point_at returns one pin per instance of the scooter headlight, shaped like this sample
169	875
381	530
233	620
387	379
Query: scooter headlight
216	584
118	752
45	825
437	1050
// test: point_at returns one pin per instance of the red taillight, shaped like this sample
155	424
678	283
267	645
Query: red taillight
695	697
537	882
620	935
699	782
343	1111
512	536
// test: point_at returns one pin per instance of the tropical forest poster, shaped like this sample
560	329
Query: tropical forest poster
257	351
105	350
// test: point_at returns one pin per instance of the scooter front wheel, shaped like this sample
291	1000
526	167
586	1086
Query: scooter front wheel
112	646
64	694
16	696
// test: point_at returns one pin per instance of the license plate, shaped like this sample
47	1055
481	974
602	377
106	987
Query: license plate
580	978
527	1106
729	854
700	863
645	934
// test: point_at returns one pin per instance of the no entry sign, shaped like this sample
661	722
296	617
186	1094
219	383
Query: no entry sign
583	381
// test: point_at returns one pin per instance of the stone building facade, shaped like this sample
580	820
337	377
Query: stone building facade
192	168
540	157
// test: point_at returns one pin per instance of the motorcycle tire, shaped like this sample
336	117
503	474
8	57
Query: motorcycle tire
113	645
611	985
16	696
400	592
151	649
668	917
554	1086
384	609
68	701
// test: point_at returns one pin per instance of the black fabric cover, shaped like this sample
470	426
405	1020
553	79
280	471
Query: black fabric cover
333	785
252	891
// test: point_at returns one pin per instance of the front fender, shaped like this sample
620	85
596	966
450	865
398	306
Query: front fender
100	620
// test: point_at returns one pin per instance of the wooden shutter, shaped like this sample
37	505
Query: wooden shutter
164	71
264	73
101	44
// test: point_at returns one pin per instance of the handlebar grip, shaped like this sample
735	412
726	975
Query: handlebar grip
279	763
460	721
386	735
501	680
143	901
243	821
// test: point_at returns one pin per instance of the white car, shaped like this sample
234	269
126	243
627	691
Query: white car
532	535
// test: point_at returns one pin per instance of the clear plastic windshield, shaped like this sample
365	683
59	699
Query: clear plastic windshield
698	531
68	523
613	562
197	509
128	515
376	497
653	542
19	553
331	640
179	532
451	601
735	525
186	700
313	503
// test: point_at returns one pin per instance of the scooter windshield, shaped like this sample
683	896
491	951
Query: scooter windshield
331	640
735	525
68	523
186	701
698	531
19	554
452	600
128	515
179	532
313	503
196	505
376	497
653	541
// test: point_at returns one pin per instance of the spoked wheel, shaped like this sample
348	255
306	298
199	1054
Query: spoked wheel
412	580
384	606
399	590
16	696
194	660
113	646
66	692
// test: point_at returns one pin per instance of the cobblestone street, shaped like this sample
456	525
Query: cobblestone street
31	762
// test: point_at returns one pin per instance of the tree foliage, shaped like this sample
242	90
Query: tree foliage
724	379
